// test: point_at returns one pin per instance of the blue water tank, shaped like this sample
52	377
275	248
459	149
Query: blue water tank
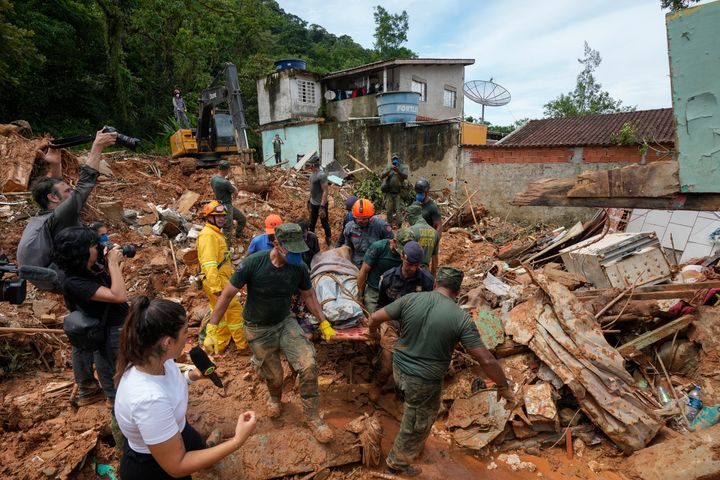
397	107
290	63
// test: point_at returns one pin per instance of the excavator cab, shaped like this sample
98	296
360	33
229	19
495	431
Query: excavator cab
219	132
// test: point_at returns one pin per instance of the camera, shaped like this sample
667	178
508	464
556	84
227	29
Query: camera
14	290
123	140
128	249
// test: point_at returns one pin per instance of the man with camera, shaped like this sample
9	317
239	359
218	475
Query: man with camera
393	178
60	205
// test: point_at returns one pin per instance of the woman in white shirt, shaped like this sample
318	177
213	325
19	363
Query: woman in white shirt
152	398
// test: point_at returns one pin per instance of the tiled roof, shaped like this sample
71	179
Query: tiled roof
657	126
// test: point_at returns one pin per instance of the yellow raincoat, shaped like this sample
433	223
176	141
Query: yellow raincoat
214	258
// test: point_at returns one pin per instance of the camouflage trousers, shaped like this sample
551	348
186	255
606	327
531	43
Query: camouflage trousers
233	215
266	343
370	298
422	401
393	209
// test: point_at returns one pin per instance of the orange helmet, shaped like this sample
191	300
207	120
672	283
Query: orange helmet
214	208
363	208
271	222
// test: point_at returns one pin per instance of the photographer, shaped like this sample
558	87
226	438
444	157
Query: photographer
152	398
100	293
60	204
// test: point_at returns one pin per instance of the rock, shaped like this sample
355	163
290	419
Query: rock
113	211
578	447
43	307
160	262
130	215
492	466
49	471
145	230
146	220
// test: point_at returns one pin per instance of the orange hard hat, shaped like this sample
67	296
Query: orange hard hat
214	208
271	222
363	208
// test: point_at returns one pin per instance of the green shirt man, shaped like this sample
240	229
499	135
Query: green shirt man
425	235
393	177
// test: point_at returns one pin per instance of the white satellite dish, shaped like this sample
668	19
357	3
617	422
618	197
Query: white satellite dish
330	95
486	93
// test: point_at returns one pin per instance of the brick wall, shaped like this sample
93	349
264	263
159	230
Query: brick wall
616	154
501	172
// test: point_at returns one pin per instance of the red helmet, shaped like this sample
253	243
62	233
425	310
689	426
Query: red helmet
363	208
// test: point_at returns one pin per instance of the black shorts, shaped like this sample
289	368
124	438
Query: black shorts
143	466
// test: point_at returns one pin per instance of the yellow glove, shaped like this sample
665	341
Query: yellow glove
326	331
211	344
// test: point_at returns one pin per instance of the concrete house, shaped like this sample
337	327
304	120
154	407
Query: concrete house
313	113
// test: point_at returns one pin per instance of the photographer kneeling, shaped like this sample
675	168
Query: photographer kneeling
98	291
152	398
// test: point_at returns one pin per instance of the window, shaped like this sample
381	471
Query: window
449	98
306	91
421	88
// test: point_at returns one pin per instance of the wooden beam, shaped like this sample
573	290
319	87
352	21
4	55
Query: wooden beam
658	179
709	202
633	347
666	288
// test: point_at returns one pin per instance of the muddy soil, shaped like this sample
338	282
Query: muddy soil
44	436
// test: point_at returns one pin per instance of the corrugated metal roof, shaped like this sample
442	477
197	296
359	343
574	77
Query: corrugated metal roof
657	126
394	63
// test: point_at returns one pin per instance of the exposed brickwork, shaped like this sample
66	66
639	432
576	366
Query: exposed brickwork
626	154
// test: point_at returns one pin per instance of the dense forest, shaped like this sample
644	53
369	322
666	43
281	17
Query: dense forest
71	66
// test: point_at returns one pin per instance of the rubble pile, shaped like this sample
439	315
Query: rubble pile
599	369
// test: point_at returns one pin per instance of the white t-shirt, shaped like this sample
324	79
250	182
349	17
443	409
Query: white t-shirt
150	409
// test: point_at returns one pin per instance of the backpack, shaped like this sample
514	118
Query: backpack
35	247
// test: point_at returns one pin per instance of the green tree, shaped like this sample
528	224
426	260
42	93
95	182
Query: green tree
391	33
18	53
675	5
588	98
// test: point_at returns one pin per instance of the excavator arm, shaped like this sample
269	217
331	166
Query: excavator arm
226	92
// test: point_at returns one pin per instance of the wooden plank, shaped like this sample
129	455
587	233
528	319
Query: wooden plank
360	163
658	179
669	288
633	347
702	202
543	190
186	201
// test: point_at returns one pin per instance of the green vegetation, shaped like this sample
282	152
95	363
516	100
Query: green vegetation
588	98
71	66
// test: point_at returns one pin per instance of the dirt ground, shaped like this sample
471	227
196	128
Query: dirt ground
44	436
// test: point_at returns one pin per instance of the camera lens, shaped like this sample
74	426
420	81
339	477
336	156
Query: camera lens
128	250
127	142
13	291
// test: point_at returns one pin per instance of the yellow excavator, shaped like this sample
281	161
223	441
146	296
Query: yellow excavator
218	132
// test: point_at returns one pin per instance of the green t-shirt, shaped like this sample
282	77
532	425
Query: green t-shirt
431	212
428	239
381	258
222	188
430	326
394	181
269	288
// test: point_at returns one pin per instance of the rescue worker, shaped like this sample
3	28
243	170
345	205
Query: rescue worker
265	240
347	218
430	210
379	257
319	196
271	278
393	178
425	235
431	323
395	283
214	259
277	148
364	230
223	190
180	110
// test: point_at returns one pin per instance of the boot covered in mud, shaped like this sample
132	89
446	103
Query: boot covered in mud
273	407
320	430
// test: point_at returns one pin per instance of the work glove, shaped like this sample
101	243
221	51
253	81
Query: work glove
326	331
211	344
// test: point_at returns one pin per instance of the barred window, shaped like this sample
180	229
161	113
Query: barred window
449	98
306	91
421	88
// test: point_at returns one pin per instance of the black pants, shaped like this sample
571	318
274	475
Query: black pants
143	466
314	214
277	157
